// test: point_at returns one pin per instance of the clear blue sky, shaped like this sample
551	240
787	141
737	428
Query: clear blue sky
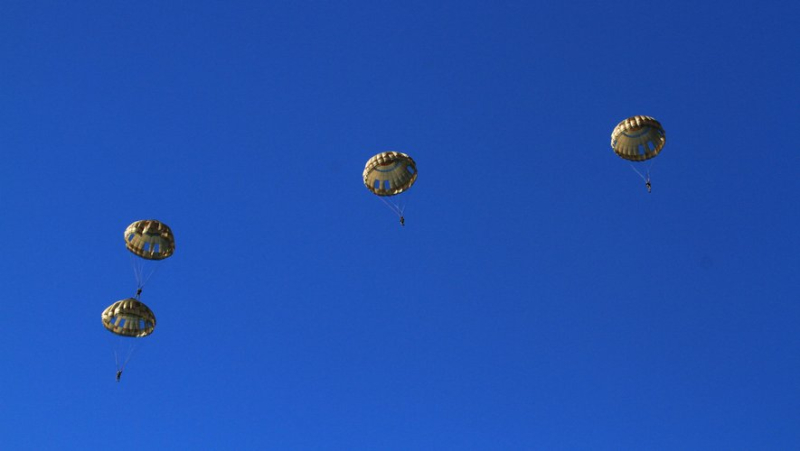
538	297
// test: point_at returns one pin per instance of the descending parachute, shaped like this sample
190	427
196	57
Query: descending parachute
151	241
388	174
638	139
128	319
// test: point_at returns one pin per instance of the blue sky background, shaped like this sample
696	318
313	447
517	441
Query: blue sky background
538	297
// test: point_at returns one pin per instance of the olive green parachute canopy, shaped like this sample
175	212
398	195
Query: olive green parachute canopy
638	138
150	239
390	173
129	318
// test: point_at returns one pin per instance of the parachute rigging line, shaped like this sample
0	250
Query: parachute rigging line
395	208
649	167
142	276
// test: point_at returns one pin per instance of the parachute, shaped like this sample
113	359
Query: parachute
388	174
638	139
152	241
128	318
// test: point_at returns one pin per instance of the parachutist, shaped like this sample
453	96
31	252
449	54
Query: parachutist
389	174
637	139
138	292
402	221
119	375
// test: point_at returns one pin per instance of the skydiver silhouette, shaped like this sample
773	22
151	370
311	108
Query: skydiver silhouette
647	184
402	221
119	375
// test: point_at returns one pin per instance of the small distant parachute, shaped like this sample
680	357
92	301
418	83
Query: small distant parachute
388	174
127	319
638	139
151	241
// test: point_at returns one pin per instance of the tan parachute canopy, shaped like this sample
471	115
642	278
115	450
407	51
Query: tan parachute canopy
638	138
129	318
390	173
150	239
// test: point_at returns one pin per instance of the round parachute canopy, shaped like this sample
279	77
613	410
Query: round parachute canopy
150	239
390	173
638	138
129	318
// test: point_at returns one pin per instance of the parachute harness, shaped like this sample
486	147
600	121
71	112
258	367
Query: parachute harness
646	175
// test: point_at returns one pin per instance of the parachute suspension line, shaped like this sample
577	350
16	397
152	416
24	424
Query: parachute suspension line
640	174
137	271
147	278
123	351
133	267
143	270
646	175
131	349
395	208
387	203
